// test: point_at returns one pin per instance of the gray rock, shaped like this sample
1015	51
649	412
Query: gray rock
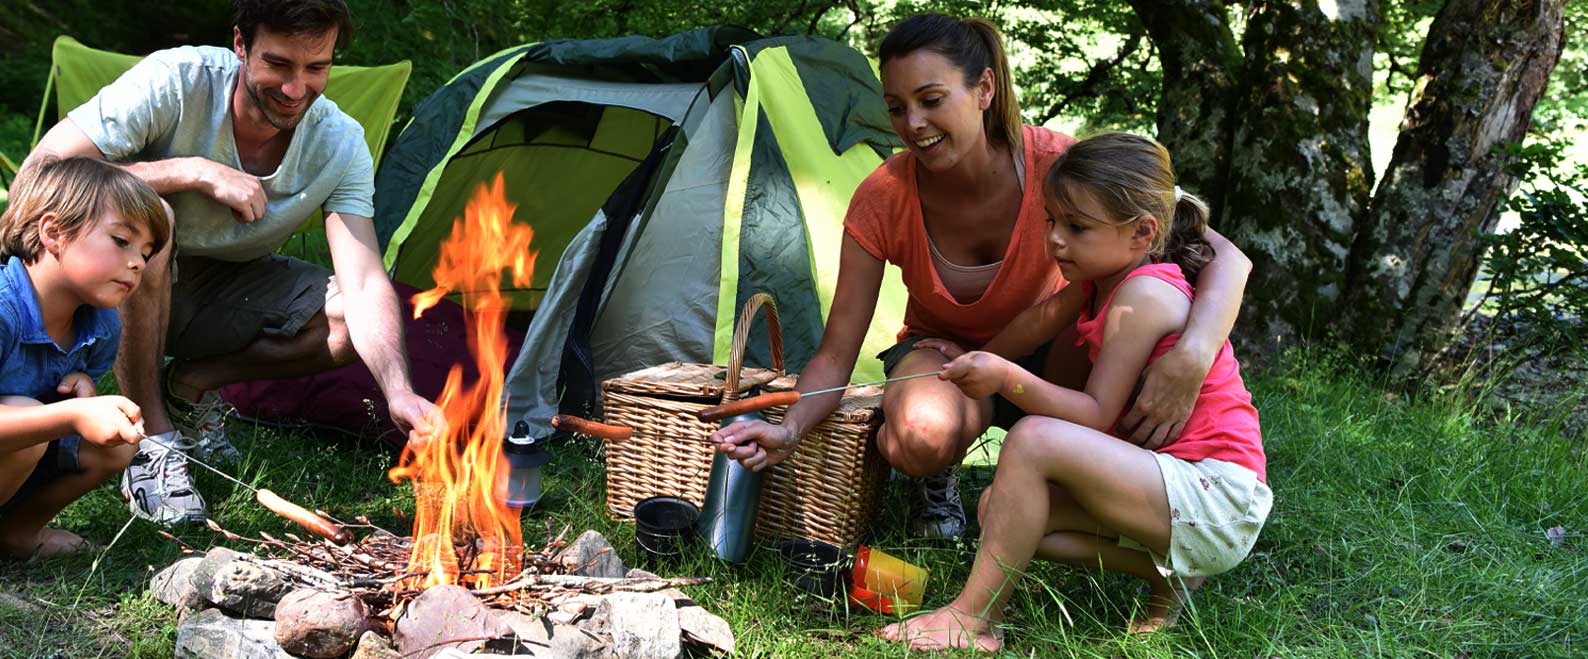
204	574
636	573
211	633
641	625
701	627
320	624
372	645
539	637
591	555
247	588
440	614
174	585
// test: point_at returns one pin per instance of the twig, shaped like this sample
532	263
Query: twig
593	584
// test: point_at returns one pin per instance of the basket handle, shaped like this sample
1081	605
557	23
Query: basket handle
741	336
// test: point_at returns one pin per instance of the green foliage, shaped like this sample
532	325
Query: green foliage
1539	271
29	27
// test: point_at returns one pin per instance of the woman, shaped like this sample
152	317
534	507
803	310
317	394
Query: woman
960	212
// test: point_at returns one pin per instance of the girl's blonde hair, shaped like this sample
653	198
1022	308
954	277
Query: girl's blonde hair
1132	176
77	191
973	45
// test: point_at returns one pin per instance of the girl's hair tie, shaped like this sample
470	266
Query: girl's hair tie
1178	193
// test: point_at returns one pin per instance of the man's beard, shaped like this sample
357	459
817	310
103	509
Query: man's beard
280	121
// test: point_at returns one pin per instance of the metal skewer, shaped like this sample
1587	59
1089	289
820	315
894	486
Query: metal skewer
310	520
776	398
878	383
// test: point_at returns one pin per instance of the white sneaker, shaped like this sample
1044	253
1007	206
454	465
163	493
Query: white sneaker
206	420
157	485
935	509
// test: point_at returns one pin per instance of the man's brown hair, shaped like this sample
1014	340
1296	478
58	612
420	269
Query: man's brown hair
293	17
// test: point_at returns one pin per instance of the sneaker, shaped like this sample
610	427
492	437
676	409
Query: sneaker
206	420
157	484
935	509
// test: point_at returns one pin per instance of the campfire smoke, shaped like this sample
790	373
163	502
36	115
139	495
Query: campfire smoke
459	472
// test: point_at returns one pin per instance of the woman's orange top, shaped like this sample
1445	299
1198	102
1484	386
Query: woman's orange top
885	218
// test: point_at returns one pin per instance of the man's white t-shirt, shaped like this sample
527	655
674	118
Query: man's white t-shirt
177	103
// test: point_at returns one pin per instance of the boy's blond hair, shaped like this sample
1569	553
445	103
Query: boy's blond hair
76	190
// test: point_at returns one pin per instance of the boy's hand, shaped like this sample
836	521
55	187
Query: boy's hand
978	374
107	420
76	385
949	348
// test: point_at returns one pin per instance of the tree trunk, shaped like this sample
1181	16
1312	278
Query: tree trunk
1300	171
1484	66
1200	61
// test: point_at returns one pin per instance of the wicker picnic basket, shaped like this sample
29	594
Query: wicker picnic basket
827	490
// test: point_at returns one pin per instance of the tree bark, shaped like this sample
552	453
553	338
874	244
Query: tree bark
1300	169
1484	66
1201	61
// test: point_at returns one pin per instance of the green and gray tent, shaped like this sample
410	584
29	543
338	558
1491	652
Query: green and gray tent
667	180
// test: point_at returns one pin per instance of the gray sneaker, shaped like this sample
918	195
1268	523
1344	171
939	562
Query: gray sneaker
157	485
205	420
935	509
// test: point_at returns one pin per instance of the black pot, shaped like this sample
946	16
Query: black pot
662	526
815	567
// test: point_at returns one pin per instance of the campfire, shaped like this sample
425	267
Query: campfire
459	473
463	579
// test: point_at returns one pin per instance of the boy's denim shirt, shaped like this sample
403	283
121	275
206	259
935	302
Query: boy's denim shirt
31	364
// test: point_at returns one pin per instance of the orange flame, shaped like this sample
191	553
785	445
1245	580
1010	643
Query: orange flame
459	472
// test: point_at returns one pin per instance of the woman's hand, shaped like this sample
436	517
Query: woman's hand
978	374
1168	392
755	444
950	349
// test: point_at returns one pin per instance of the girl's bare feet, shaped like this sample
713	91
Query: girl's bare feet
944	628
48	543
1164	603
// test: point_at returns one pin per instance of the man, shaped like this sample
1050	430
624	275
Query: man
244	148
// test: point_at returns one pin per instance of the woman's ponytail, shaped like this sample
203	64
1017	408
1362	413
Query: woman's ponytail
1001	119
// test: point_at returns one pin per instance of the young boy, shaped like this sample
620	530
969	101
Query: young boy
73	245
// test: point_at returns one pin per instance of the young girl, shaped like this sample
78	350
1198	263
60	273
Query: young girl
73	244
1120	228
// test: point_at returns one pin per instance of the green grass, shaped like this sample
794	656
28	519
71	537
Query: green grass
1402	526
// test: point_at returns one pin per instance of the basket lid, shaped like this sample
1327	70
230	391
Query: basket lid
687	380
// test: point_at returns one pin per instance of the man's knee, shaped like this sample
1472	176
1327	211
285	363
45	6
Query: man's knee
339	341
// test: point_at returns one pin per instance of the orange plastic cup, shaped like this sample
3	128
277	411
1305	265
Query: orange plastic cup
884	583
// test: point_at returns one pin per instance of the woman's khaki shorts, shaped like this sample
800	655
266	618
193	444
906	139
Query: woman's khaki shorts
1216	510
